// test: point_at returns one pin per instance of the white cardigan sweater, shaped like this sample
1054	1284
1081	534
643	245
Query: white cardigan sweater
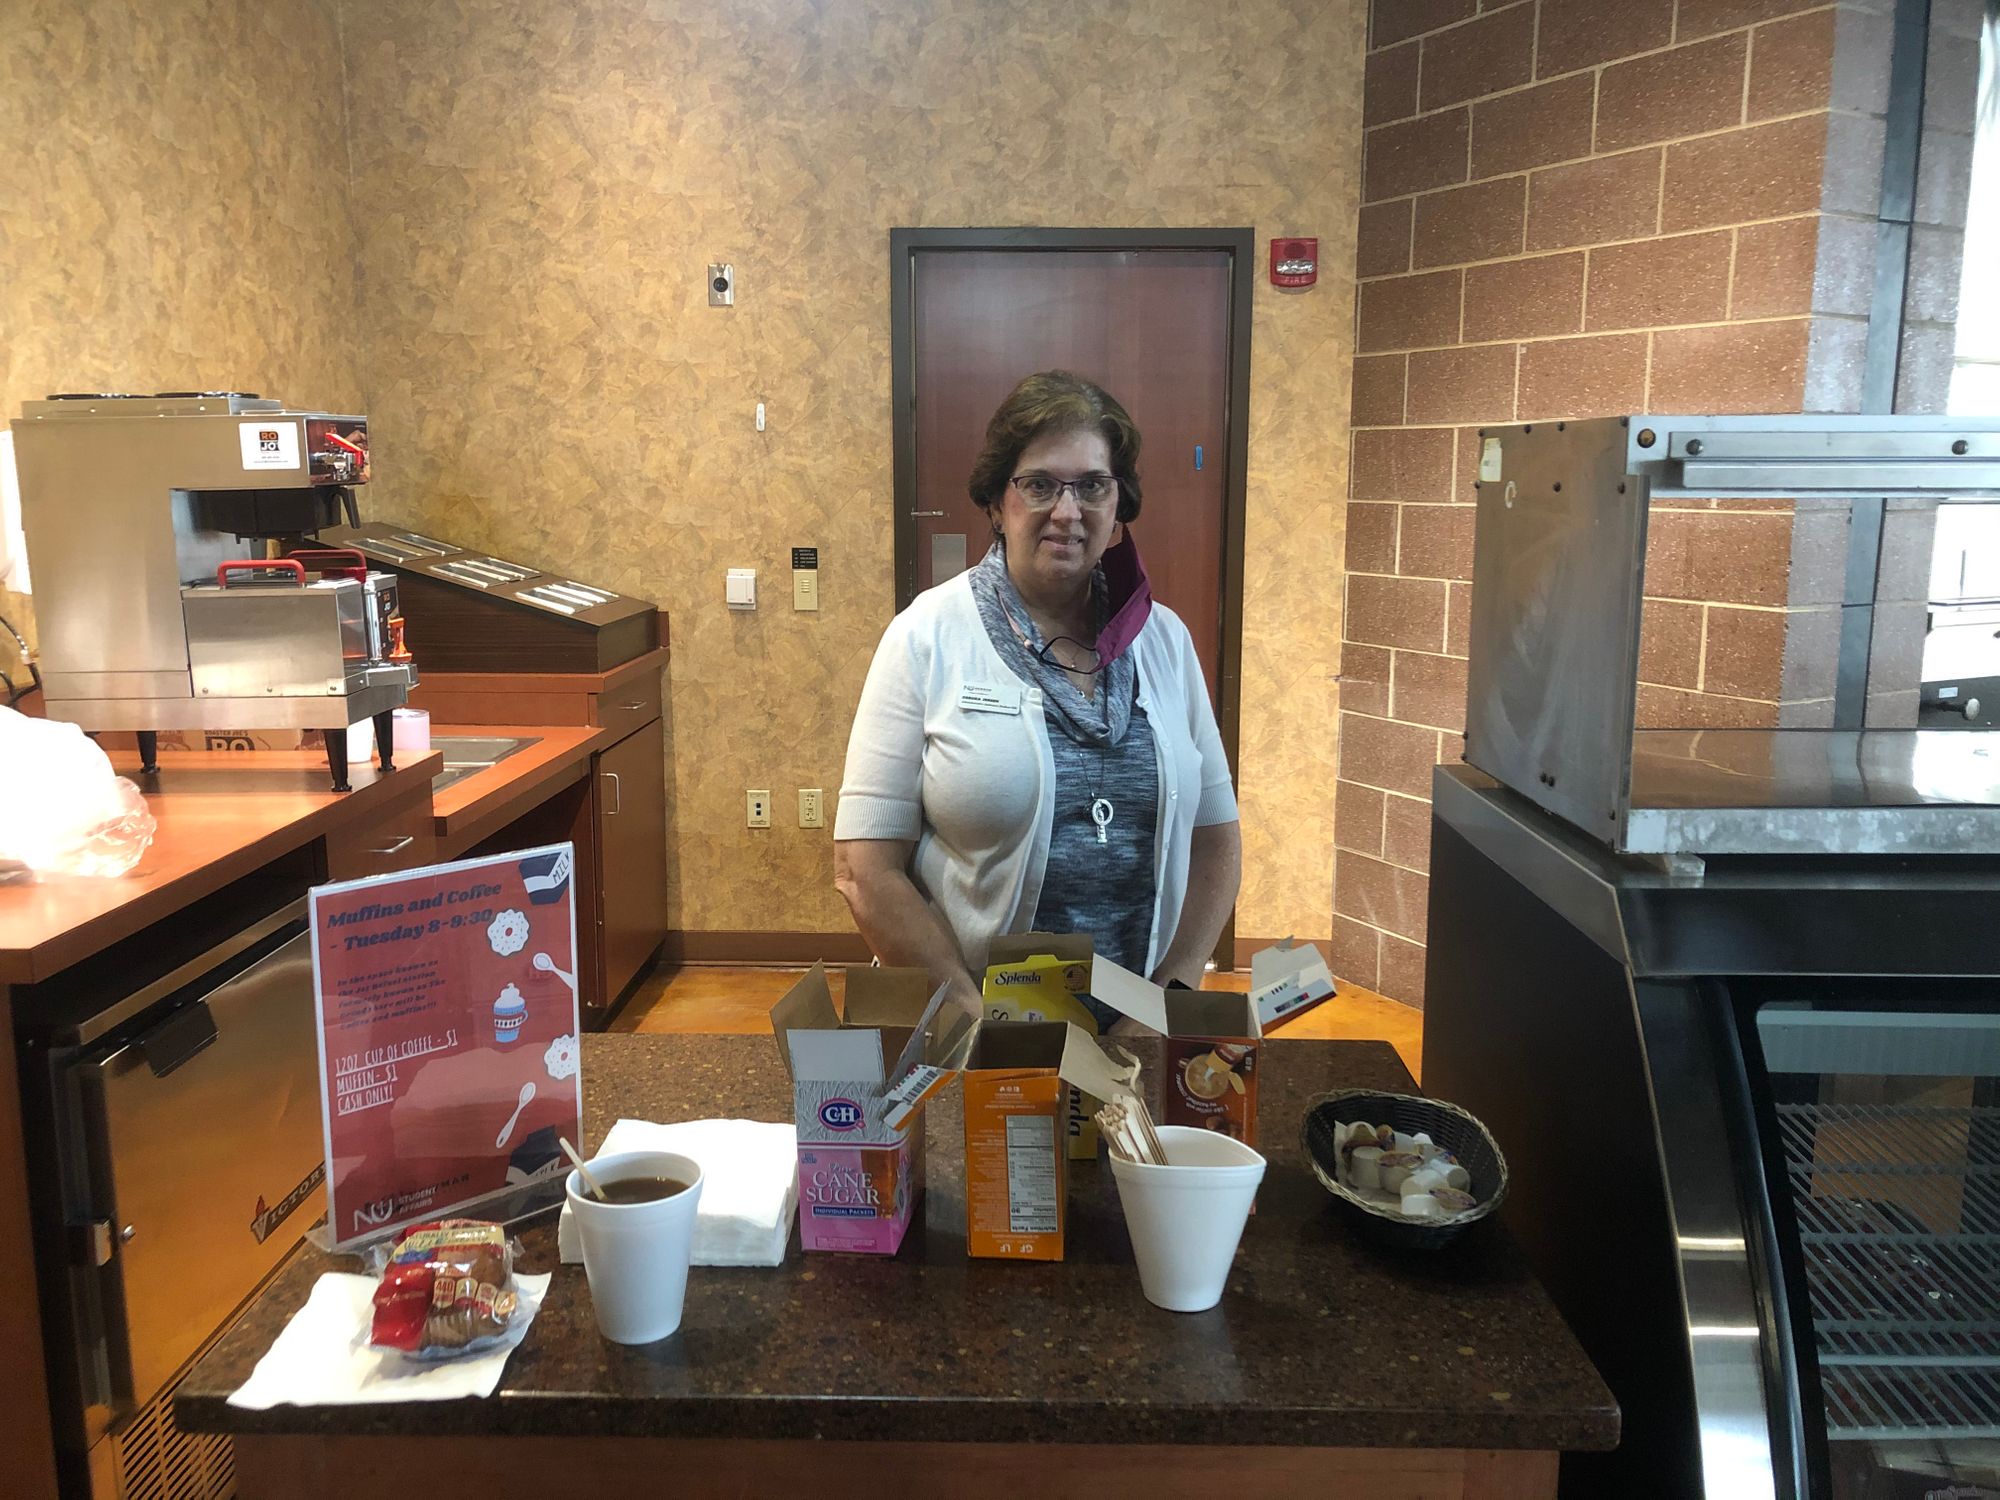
951	749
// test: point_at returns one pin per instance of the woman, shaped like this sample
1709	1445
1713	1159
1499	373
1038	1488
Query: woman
1034	749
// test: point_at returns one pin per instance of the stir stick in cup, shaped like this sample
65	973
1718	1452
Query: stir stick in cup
583	1171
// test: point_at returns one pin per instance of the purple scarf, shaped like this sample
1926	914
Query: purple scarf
1128	598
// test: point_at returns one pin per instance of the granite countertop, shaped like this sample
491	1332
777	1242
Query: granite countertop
1319	1339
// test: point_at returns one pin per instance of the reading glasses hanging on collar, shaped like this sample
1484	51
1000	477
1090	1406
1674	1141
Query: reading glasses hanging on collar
1041	491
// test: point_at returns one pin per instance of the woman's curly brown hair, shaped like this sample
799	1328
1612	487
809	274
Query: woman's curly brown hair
1055	401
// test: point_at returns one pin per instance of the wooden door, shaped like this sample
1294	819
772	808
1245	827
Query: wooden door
632	817
1150	326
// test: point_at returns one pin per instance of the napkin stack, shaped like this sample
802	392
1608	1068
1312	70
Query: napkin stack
323	1357
749	1187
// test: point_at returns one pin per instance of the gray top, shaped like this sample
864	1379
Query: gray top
1098	881
1104	889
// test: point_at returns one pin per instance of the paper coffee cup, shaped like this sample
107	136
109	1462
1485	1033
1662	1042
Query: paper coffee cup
1186	1218
636	1254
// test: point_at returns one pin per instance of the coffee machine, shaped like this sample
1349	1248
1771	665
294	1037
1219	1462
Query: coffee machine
174	584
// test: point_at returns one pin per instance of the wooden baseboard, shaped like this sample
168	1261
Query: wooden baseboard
787	950
792	949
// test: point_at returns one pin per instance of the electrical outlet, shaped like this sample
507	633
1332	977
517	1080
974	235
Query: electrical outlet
760	808
812	811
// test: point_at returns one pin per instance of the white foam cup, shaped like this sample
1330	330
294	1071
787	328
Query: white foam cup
636	1254
1185	1218
412	731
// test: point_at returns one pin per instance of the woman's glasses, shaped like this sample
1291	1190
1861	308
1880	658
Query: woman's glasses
1041	491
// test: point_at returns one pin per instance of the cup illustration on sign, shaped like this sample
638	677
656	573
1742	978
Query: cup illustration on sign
527	1093
510	1011
507	933
546	876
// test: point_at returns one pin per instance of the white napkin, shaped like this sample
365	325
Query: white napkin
323	1357
749	1186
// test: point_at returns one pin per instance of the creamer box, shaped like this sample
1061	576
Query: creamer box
1038	976
1017	1078
1208	1077
856	1103
1208	1074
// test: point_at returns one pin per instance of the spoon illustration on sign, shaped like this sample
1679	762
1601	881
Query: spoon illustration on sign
527	1093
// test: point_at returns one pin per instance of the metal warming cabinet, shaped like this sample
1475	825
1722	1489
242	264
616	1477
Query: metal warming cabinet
1729	997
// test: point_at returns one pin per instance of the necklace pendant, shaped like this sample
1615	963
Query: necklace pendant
1100	814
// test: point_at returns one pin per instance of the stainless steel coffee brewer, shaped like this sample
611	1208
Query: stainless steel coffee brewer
158	528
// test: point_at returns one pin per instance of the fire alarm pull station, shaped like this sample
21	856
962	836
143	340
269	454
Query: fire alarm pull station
1294	262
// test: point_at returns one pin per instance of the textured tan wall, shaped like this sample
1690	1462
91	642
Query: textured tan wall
539	190
173	203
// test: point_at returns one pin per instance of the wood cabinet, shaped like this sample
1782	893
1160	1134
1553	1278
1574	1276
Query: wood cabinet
399	836
629	788
616	814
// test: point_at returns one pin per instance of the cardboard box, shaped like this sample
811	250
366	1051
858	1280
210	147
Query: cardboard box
1038	976
1017	1077
857	1103
1213	1041
1287	981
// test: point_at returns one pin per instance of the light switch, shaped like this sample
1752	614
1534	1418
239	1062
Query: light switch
805	588
739	588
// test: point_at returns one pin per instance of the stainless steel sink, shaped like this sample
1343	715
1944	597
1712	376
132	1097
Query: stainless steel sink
469	754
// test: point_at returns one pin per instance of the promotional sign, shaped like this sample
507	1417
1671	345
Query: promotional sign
447	1035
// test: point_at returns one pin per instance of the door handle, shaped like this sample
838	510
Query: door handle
179	1037
617	793
397	846
920	514
630	708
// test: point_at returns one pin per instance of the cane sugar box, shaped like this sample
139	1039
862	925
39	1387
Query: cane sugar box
858	1086
860	1198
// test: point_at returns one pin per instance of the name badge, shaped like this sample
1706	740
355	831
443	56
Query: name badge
986	700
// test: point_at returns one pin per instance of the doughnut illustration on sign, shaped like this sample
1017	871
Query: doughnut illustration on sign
560	1057
508	932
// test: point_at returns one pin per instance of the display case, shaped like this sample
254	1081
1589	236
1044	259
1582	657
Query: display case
1729	998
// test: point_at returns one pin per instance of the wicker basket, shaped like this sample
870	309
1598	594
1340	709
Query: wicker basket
1448	1125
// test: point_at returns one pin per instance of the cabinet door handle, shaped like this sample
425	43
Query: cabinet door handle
631	707
617	793
397	846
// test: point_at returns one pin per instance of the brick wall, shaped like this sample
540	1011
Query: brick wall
1573	208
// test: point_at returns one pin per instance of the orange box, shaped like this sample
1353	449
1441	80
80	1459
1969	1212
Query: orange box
1017	1078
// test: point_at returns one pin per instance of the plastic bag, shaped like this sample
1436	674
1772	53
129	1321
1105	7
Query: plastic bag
65	811
447	1289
